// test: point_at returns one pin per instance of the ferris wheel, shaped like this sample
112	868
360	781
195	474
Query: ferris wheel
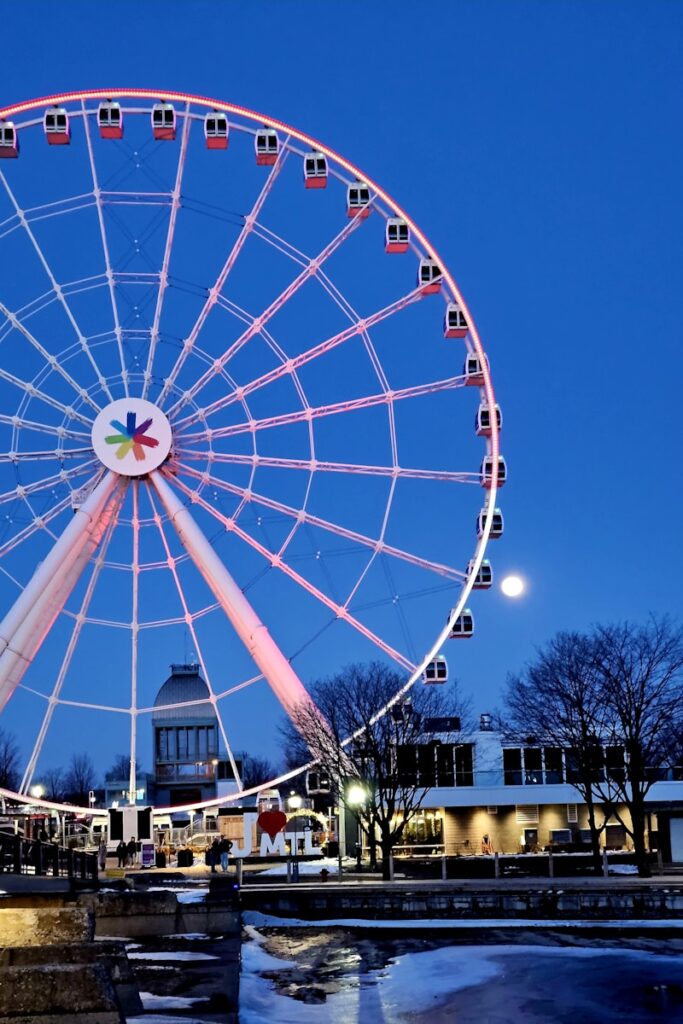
238	387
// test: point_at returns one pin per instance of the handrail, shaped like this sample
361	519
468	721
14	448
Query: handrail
21	856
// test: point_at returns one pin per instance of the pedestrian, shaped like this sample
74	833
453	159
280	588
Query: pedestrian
131	852
102	855
121	853
224	848
214	855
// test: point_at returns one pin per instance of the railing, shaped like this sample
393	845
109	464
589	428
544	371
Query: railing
29	856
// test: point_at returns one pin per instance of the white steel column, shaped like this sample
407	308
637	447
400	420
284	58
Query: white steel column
278	672
37	606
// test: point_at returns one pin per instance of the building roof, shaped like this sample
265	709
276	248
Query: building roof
184	684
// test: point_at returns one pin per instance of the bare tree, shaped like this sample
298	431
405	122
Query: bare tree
120	769
641	681
557	701
394	758
53	780
9	761
80	778
613	699
255	770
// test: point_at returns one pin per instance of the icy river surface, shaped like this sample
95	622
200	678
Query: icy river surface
421	974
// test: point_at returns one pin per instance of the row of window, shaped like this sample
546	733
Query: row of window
186	743
435	764
534	766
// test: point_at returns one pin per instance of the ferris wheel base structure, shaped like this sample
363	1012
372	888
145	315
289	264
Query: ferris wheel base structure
138	446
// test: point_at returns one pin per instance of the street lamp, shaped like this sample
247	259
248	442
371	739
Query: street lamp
295	803
38	791
356	796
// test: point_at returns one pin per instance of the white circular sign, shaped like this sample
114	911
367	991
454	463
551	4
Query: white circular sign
131	436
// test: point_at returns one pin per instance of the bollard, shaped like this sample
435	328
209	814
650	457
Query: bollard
391	867
605	865
39	858
496	866
340	863
444	868
17	855
660	862
238	870
551	866
289	871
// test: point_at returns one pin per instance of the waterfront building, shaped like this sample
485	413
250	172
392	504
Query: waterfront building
490	792
190	763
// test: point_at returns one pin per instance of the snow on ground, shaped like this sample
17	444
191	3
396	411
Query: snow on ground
183	895
622	869
259	920
154	1002
162	957
153	1018
310	867
410	984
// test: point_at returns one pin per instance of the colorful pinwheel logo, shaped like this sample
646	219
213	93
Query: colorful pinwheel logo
132	437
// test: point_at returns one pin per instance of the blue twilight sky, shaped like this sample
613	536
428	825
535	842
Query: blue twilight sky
538	145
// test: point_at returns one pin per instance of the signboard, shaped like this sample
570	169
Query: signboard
131	436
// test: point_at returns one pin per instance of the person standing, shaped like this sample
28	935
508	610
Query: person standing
102	855
224	848
121	853
131	851
214	855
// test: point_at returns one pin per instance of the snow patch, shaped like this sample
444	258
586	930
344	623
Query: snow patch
154	1002
180	954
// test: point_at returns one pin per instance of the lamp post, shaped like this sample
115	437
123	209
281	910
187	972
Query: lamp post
356	796
295	802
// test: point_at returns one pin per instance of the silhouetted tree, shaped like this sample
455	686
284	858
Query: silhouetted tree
613	699
80	778
53	780
393	757
120	769
9	761
255	770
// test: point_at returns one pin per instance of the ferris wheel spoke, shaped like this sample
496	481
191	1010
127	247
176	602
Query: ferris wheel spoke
316	465
168	249
105	247
189	619
334	409
255	327
229	263
46	455
43	428
341	611
35	526
46	482
54	698
134	635
31	391
298	361
337	529
83	341
240	686
50	359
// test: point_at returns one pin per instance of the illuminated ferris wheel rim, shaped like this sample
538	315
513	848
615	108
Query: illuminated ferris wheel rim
208	103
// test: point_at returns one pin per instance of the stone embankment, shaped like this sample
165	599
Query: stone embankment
52	971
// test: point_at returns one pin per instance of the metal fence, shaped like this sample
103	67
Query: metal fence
31	857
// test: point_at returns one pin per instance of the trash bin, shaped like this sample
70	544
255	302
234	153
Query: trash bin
160	859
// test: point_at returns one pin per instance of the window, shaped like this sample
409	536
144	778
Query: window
464	765
182	743
572	814
552	757
512	766
445	765
533	766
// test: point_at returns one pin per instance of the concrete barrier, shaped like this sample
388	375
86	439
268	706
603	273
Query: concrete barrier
56	994
45	926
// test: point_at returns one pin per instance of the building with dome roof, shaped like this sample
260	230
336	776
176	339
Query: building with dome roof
189	763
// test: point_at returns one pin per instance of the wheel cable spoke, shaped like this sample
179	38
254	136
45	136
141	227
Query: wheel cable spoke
341	611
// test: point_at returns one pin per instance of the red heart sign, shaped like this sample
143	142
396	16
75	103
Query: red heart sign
272	822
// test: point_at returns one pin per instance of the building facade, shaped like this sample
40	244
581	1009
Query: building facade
190	765
487	792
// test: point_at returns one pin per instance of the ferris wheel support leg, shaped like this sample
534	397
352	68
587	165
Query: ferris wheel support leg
277	671
90	510
65	563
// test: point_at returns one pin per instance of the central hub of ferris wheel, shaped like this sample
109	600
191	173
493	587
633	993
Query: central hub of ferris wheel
131	436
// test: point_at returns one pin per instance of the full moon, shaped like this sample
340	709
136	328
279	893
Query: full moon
513	586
